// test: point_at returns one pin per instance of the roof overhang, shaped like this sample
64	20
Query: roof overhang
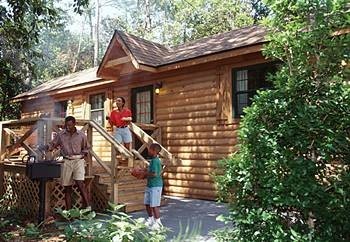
211	57
96	83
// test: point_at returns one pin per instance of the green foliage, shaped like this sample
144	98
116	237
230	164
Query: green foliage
21	23
206	18
58	53
4	223
260	10
178	21
32	231
116	226
290	179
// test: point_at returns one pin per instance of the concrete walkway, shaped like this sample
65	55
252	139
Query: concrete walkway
192	212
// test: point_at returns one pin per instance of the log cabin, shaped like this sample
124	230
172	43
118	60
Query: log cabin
193	95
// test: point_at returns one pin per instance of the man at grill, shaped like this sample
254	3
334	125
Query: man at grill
74	147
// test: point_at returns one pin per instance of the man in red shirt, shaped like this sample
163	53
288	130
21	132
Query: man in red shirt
121	118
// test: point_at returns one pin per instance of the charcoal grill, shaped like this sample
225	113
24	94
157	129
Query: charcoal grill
42	171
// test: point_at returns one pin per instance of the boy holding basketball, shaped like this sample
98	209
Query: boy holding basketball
154	188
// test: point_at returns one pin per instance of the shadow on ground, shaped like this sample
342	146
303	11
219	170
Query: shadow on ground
192	212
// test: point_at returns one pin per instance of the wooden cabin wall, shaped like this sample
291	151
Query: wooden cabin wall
186	111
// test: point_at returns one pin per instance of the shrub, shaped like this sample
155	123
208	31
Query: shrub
290	179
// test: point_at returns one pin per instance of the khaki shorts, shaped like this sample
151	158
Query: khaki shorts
72	170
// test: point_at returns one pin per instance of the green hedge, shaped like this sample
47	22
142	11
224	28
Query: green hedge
290	179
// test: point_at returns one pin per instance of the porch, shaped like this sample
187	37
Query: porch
106	180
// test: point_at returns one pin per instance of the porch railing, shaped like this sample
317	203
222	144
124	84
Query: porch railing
11	142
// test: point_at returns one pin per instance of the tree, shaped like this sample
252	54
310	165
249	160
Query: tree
176	22
61	52
20	26
260	10
206	18
290	179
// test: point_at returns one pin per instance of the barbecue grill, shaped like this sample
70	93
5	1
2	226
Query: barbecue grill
42	171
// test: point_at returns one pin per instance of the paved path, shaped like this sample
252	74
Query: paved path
190	211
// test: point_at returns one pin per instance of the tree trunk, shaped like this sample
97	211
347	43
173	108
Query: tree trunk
79	47
97	27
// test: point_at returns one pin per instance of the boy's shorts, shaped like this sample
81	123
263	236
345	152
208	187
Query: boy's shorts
72	170
123	135
153	196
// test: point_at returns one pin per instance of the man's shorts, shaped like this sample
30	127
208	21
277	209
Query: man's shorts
123	135
153	196
72	170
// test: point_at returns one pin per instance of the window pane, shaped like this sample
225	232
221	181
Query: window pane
61	109
253	76
242	102
242	81
97	101
246	83
97	116
97	108
143	107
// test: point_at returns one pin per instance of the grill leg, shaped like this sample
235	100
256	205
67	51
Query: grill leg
42	191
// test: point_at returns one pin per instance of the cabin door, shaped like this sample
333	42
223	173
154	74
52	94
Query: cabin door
142	109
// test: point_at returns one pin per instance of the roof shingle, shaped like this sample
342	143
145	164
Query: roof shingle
155	55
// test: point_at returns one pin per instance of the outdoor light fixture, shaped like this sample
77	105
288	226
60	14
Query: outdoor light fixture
157	87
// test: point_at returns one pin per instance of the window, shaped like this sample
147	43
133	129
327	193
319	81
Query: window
61	109
142	104
97	108
246	82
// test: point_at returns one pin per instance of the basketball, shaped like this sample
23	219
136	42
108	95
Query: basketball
139	173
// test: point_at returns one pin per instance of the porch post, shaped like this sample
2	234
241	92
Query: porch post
2	141
48	135
2	177
114	181
89	158
41	133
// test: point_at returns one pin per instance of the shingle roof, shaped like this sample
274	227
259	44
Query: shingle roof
77	78
155	55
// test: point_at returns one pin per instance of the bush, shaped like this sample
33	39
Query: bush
290	179
116	226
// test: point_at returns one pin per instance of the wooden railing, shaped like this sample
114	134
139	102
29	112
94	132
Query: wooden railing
11	141
146	139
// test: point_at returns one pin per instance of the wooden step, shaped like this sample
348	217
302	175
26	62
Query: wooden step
134	206
128	196
126	187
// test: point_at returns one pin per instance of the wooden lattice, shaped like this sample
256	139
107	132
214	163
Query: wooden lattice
20	194
57	196
99	197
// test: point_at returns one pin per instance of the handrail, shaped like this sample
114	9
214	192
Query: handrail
121	148
98	159
25	146
147	126
138	155
146	138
